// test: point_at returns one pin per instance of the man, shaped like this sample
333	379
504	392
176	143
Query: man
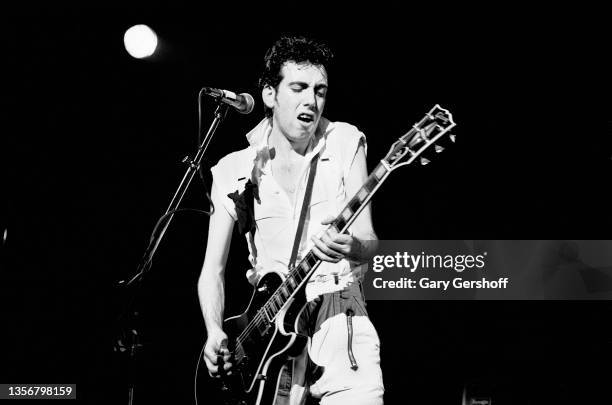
275	169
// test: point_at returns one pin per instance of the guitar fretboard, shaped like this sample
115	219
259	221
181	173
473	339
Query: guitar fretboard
302	272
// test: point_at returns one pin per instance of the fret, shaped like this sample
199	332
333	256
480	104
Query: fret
379	172
333	226
370	184
265	311
272	310
304	268
354	204
362	194
340	223
312	259
291	281
344	218
279	300
346	214
299	273
284	291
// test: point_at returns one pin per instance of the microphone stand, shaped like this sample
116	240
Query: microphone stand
128	317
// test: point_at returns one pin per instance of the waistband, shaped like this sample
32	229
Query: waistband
320	284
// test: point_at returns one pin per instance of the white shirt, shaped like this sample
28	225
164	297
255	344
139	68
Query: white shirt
277	217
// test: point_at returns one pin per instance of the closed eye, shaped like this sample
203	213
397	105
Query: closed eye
298	86
321	90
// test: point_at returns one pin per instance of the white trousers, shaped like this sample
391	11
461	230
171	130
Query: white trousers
340	383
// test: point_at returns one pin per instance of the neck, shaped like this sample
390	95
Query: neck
284	146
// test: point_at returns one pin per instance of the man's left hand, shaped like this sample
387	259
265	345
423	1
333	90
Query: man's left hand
332	246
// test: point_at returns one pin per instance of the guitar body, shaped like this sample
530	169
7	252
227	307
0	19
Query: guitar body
260	352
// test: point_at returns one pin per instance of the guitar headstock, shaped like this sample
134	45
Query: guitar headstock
427	132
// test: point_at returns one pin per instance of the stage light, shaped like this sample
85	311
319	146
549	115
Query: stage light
140	41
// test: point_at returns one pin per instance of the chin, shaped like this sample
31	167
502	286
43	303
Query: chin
301	135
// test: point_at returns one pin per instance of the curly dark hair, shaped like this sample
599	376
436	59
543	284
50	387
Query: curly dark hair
296	49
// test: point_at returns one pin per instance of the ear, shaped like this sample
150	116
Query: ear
268	94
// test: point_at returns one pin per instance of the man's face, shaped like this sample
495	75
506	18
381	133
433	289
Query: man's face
299	100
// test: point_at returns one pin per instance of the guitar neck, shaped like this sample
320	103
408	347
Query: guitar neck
299	275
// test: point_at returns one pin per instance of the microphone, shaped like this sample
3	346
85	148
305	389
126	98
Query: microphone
243	102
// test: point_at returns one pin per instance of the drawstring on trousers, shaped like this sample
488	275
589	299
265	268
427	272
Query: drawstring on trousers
349	324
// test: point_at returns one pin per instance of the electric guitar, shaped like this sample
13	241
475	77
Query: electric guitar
266	334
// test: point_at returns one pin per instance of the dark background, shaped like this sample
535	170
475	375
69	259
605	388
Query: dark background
94	141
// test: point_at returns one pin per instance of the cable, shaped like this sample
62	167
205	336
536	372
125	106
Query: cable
147	263
195	377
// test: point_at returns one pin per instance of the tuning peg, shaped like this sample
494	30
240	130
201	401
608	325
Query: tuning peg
438	148
452	137
424	161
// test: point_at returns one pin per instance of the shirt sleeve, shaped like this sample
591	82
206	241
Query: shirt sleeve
223	182
353	137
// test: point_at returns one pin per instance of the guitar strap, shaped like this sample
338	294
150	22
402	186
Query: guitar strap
305	204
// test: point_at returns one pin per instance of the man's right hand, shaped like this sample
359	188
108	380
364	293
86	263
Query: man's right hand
216	353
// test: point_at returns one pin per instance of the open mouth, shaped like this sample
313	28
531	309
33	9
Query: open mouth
306	118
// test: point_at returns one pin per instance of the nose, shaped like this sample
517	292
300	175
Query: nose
310	98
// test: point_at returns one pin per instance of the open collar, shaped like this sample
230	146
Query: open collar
258	140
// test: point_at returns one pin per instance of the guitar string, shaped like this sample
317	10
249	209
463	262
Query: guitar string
306	267
277	294
253	324
260	316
